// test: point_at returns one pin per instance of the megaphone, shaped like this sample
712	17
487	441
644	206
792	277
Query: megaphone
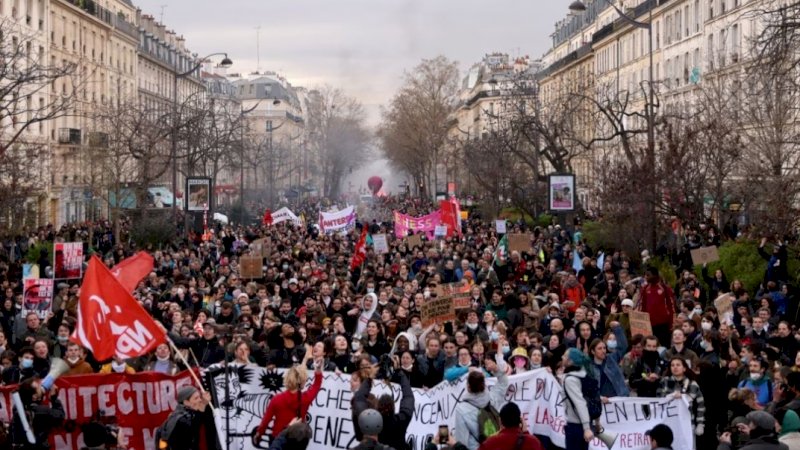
58	367
607	438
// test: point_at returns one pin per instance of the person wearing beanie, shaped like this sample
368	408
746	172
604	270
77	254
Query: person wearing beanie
789	428
578	430
514	433
181	431
759	427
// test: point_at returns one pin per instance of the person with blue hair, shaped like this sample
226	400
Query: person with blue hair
578	431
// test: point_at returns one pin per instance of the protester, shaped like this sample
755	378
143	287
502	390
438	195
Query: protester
370	422
43	415
578	430
181	431
660	437
513	434
759	433
476	399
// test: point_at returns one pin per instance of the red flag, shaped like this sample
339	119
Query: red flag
360	253
110	322
130	271
267	220
449	217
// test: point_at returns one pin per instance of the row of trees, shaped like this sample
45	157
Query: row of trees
735	143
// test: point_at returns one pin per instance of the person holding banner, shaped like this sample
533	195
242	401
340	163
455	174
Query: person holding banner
37	418
578	430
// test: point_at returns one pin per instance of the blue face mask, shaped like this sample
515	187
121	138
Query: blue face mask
494	336
505	349
27	363
611	345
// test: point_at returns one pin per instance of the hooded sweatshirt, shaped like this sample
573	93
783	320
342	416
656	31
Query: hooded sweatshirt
466	429
790	430
575	406
412	341
366	316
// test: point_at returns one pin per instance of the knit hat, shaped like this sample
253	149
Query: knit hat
761	419
791	422
185	393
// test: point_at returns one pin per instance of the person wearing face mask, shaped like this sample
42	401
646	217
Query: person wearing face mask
758	382
117	365
519	360
606	356
15	374
77	365
647	373
473	328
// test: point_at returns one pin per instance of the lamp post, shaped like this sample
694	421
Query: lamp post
578	6
225	63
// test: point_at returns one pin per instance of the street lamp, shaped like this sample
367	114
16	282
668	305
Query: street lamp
576	7
225	63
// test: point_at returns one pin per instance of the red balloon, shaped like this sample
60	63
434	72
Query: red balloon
375	183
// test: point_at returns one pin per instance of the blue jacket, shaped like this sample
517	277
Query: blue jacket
611	366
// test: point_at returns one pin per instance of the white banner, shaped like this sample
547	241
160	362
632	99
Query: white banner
537	393
284	214
344	219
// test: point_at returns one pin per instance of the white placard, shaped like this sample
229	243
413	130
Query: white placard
380	244
500	226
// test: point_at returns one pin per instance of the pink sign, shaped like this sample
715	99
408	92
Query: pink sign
403	223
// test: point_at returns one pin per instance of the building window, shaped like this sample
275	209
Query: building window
697	19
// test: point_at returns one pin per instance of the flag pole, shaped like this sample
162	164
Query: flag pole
191	372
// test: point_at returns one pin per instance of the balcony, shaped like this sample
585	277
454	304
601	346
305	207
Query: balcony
70	136
105	15
97	139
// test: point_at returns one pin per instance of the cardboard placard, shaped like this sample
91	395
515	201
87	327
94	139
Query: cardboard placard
704	255
261	247
457	293
437	310
640	323
724	305
415	240
519	242
380	244
250	267
500	226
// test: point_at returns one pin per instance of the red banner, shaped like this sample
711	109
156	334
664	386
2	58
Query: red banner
68	263
138	404
130	271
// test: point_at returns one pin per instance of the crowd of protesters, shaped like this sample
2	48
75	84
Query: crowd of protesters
529	309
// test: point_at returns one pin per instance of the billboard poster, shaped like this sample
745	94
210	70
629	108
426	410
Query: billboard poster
561	192
198	193
68	263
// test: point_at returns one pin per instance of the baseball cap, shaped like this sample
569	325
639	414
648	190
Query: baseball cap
293	281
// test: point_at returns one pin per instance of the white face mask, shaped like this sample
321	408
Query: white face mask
472	326
117	367
73	360
706	325
755	375
355	345
165	359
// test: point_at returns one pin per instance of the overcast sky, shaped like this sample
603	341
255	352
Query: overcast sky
362	46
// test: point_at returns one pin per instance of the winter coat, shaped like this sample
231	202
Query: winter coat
466	429
575	409
769	442
395	426
689	388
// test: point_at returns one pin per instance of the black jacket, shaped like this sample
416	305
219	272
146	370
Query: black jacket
395	425
42	420
769	442
358	404
207	351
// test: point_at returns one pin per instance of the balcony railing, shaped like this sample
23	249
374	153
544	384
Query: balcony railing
105	15
71	136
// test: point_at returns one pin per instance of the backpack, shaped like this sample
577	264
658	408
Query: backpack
590	388
488	422
164	432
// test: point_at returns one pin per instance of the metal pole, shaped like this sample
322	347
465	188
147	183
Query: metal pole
174	150
241	169
651	141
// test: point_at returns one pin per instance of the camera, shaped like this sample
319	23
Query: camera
385	368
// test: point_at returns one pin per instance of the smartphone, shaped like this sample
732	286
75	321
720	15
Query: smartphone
444	434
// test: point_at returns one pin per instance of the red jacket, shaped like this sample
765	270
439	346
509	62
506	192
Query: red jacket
576	294
507	439
283	408
658	300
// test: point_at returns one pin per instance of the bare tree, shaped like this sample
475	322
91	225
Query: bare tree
32	92
414	128
337	133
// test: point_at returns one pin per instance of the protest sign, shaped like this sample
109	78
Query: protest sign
251	267
437	310
342	220
640	323
500	226
380	244
440	231
404	223
283	215
415	240
68	260
704	255
457	293
724	305
519	242
38	296
537	393
136	403
30	271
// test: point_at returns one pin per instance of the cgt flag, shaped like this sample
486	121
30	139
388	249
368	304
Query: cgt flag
130	271
110	322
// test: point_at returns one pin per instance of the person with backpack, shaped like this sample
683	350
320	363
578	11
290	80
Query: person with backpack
181	431
396	425
513	435
583	405
476	416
